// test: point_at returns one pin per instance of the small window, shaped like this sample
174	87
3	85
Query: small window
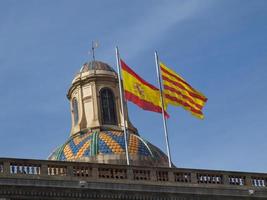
75	110
108	109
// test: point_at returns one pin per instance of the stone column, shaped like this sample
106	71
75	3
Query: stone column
44	170
248	181
95	172
194	177
6	167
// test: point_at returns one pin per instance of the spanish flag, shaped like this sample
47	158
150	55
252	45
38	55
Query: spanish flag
178	92
140	92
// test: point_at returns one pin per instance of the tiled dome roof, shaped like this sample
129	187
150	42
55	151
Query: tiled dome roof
83	146
96	65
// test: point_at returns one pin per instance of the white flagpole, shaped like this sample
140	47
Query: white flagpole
122	105
162	109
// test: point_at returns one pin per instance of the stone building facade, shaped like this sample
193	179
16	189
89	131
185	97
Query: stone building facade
91	164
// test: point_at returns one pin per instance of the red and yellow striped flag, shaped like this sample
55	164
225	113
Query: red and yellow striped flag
178	92
139	91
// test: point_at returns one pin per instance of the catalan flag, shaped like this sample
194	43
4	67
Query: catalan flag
178	92
140	92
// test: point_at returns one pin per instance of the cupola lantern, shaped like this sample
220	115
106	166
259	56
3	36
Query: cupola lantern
94	99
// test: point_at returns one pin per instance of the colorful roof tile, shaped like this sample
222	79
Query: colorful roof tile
90	144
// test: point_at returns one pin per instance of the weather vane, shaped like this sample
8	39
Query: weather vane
94	46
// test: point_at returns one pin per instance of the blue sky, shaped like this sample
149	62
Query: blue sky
220	47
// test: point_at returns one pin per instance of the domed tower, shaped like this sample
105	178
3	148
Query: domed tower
97	123
94	98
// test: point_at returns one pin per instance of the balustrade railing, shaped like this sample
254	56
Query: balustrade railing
112	173
258	181
24	168
237	180
182	177
57	170
139	174
31	168
209	178
82	171
162	176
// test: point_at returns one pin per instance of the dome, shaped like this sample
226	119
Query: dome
96	65
109	147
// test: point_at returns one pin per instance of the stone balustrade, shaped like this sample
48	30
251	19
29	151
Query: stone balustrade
22	168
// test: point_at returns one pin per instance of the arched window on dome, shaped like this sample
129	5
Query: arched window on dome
108	110
75	110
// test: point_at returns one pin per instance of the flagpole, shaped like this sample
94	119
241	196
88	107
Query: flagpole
162	109
122	105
